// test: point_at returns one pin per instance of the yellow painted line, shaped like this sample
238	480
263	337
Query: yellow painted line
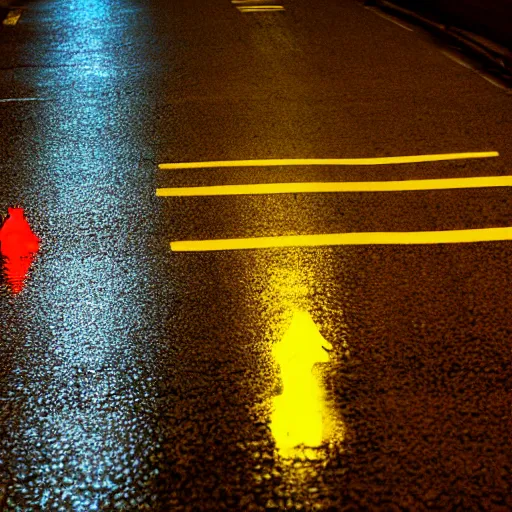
330	161
12	17
263	8
351	186
258	7
248	3
377	238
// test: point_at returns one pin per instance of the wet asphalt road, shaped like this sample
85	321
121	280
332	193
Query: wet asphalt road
136	378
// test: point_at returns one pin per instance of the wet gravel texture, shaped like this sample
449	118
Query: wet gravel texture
422	393
132	378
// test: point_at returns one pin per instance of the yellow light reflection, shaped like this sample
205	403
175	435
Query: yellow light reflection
298	419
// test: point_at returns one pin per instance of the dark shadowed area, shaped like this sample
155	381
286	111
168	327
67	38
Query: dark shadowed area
491	18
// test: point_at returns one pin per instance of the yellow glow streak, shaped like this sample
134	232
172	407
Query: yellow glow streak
370	238
261	7
354	186
12	17
256	8
330	161
298	416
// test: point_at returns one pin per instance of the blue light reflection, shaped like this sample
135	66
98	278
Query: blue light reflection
84	438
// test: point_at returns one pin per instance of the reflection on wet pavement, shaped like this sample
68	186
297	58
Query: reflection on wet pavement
305	430
133	378
80	385
18	246
298	416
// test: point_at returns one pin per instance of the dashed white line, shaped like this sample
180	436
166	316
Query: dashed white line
494	82
456	59
389	18
460	60
10	100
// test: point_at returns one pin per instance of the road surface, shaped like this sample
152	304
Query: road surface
367	370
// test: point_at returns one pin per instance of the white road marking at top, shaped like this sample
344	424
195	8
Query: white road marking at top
389	18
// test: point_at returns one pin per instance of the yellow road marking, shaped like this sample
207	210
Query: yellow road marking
376	238
258	7
330	161
12	17
354	186
262	8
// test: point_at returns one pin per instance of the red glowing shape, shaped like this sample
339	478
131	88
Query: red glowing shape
18	245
